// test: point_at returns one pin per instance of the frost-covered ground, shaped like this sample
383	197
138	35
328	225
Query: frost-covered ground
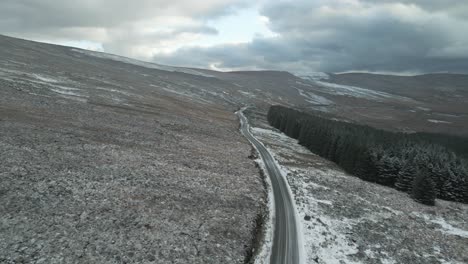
321	80
360	92
346	220
109	162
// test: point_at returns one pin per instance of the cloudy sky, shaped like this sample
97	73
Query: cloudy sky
406	36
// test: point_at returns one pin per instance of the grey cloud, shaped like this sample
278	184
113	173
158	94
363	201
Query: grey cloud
319	35
454	7
118	25
259	54
126	38
25	14
196	29
335	36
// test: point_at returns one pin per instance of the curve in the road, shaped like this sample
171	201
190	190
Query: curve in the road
286	246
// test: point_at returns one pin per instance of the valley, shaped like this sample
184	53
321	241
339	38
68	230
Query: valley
107	159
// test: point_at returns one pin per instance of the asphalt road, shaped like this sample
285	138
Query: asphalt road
285	238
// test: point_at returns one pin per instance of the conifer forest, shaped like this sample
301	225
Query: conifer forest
424	165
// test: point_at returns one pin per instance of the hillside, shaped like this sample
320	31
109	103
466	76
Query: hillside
104	161
430	103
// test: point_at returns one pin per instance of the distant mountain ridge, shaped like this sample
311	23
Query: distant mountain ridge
429	102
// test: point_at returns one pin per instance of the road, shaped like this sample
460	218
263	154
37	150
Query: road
285	238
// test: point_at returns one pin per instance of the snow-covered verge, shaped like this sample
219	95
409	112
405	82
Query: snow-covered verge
262	256
347	220
262	249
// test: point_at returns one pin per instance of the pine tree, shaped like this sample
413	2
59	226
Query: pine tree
388	168
423	188
446	180
406	177
366	168
465	191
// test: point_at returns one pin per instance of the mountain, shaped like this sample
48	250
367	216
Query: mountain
431	103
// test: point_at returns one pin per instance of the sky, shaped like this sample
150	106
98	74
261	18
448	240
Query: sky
401	37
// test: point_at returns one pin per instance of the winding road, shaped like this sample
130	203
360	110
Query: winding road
285	238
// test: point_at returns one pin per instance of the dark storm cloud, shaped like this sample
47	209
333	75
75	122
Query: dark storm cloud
334	36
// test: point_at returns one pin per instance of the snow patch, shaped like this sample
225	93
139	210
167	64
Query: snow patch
66	92
251	95
354	91
314	76
186	94
425	109
141	63
44	78
113	91
314	98
445	227
439	121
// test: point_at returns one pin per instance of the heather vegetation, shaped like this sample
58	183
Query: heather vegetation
424	165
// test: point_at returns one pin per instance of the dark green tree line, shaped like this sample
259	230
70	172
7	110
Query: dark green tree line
424	165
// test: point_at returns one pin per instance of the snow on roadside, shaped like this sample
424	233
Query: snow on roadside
277	136
264	253
267	244
299	223
323	240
